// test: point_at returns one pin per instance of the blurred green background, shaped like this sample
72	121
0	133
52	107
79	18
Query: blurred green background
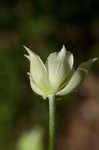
43	26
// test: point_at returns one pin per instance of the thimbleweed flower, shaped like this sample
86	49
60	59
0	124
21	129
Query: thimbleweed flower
57	76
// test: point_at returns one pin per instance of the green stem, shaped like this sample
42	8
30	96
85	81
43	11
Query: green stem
51	122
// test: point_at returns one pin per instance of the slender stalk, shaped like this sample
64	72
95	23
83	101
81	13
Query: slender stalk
51	122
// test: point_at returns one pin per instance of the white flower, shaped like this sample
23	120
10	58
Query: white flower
57	76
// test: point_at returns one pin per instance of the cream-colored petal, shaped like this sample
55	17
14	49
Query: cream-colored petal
35	87
74	82
38	70
87	64
78	76
59	66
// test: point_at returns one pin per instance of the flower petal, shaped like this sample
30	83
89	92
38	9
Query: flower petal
34	86
87	65
59	66
78	76
37	70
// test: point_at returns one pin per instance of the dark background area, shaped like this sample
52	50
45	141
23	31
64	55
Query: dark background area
43	26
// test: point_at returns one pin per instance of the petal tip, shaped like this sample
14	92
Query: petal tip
95	59
62	51
27	56
27	49
63	45
63	48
